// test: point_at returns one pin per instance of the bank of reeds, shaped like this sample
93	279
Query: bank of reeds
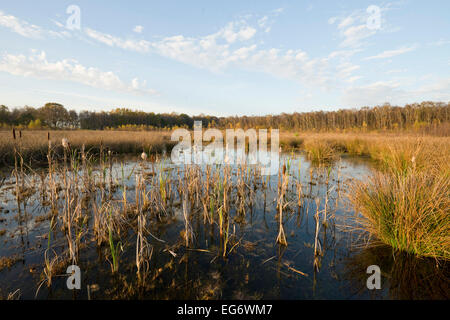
34	144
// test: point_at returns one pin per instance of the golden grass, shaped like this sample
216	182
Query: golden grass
408	212
407	204
33	145
391	150
320	151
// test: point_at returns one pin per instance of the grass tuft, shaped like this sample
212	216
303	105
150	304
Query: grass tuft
409	212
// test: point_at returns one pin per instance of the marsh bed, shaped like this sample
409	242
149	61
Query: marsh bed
251	266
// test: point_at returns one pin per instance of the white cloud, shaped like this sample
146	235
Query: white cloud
29	30
138	29
36	65
20	27
353	79
392	53
233	46
235	31
112	41
346	22
347	67
353	28
263	21
354	35
396	71
212	51
393	92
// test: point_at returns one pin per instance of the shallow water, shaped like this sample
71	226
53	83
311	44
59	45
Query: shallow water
256	267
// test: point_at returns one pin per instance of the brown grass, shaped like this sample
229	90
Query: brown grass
389	149
33	145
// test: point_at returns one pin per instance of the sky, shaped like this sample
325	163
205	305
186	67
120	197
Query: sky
224	58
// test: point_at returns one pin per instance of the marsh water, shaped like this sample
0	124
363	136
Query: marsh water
255	266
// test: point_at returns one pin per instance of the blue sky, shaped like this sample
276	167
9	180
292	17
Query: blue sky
224	57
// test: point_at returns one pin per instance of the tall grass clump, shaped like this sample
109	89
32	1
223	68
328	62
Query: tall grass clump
320	152
408	210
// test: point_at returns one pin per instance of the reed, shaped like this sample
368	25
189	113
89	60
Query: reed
187	226
114	248
281	238
143	250
34	143
317	246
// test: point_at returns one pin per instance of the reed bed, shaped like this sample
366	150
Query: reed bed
90	202
34	144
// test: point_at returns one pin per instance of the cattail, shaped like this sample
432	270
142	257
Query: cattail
65	143
48	135
14	133
144	156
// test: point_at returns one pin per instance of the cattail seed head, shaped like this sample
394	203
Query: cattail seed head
65	143
14	133
144	156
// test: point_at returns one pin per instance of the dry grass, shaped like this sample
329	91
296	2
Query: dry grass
406	204
33	146
320	152
393	151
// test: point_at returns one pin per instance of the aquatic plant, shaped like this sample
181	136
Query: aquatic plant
320	152
409	212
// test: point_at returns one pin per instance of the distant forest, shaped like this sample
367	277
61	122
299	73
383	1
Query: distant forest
386	117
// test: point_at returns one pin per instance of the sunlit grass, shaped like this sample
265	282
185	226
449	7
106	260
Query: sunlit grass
409	212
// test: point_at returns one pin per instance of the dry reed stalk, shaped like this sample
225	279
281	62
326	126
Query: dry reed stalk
142	246
110	180
299	193
281	238
317	248
187	227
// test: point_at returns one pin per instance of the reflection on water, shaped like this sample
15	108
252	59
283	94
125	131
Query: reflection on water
403	275
319	261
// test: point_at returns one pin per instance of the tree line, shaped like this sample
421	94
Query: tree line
385	117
